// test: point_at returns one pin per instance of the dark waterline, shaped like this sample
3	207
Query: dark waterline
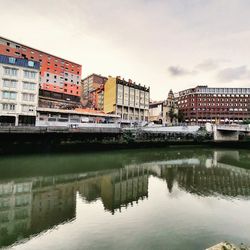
131	199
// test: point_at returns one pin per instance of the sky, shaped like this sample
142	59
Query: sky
164	44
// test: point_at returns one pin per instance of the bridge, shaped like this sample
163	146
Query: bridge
229	132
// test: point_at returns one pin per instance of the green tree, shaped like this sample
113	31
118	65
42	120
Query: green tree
180	116
171	114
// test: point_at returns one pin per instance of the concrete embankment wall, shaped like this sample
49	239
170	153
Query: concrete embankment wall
48	143
29	140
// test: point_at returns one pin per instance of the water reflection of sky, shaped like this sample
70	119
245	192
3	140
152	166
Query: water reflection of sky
188	203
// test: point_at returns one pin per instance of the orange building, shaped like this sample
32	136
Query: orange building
60	79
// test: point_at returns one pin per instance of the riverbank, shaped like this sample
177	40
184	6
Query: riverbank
228	246
35	147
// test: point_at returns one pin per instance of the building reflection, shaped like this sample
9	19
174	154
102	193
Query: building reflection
31	206
118	188
207	177
28	207
15	210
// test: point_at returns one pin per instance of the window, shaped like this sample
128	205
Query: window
31	64
28	97
10	71
9	83
12	60
27	108
29	85
9	95
29	74
8	107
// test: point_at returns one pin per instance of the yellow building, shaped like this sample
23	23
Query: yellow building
127	99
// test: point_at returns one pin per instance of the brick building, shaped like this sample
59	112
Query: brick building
216	105
60	79
93	91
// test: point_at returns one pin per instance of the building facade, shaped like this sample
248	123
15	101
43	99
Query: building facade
170	109
93	91
156	112
127	99
81	117
60	79
19	84
215	105
164	112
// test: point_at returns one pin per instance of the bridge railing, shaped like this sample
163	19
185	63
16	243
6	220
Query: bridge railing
233	127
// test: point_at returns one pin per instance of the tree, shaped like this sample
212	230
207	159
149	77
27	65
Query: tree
171	114
181	117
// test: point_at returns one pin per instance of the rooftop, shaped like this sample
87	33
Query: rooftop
10	60
23	45
132	84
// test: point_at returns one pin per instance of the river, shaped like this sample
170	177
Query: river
130	199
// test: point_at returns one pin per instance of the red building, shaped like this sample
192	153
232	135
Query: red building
60	79
216	105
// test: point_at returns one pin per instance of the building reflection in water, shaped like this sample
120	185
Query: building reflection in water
118	188
208	177
31	206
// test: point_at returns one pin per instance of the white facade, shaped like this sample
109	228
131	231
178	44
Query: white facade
19	88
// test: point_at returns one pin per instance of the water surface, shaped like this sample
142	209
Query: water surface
138	199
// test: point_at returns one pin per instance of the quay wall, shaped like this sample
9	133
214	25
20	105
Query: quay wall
46	140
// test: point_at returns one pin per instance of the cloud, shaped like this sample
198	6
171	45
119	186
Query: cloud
208	65
180	71
233	74
138	40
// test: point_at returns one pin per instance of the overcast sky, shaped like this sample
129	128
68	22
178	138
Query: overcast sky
160	43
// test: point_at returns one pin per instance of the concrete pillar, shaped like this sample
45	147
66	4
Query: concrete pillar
224	135
16	120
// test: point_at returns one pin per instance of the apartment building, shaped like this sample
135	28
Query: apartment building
127	99
60	79
19	84
216	105
93	91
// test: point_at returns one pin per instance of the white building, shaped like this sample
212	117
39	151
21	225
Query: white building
19	86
